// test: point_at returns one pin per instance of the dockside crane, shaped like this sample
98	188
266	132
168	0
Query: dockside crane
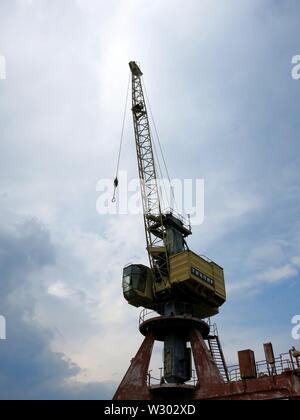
181	289
178	281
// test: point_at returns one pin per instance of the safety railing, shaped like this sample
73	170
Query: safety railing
147	314
284	363
185	221
154	381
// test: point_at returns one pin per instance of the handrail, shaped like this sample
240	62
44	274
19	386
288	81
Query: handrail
282	364
146	314
204	257
152	380
183	220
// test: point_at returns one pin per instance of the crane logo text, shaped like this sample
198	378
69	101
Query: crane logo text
184	196
296	328
2	67
2	328
296	68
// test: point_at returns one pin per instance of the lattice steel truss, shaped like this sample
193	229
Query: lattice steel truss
153	218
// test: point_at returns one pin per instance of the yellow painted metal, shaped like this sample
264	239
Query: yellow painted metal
162	288
198	274
137	293
194	279
156	251
139	299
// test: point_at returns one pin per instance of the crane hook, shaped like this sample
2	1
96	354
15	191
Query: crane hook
116	184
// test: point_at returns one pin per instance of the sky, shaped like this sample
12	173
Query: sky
219	78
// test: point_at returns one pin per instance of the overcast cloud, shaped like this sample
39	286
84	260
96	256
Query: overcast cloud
219	79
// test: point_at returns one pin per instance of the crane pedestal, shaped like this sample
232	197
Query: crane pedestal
135	384
210	384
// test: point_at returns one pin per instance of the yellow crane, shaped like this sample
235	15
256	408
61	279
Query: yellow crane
177	282
177	277
184	289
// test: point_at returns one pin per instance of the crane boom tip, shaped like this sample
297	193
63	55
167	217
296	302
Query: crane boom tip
135	70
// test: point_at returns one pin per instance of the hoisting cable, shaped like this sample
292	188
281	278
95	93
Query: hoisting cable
116	181
160	146
158	167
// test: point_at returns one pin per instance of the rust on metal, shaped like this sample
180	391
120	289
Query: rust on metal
207	372
269	353
247	364
209	383
285	386
163	325
134	385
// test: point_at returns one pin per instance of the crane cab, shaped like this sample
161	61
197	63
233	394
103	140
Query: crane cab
137	285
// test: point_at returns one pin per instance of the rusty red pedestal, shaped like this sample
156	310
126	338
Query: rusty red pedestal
210	384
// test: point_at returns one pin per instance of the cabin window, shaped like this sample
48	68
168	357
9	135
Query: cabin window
127	282
142	283
135	278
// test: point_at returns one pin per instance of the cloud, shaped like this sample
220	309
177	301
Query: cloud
59	290
29	368
225	105
296	261
275	275
263	278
